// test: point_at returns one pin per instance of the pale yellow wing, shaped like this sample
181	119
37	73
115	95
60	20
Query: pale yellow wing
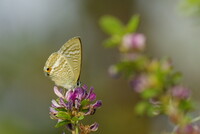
72	50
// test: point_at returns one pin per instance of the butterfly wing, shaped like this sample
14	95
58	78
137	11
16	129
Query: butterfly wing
72	50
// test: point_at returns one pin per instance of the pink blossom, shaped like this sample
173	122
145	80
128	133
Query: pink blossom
134	41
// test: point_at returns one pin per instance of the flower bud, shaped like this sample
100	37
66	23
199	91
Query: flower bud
135	41
139	83
188	129
180	92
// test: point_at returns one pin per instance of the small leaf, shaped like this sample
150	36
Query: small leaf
85	110
177	76
141	108
112	42
63	115
84	103
186	105
75	119
111	25
149	93
61	109
81	117
61	123
128	67
133	24
153	110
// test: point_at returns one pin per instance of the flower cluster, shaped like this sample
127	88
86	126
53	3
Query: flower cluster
156	82
72	106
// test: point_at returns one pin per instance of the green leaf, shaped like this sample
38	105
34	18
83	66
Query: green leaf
126	67
153	110
111	25
149	93
190	7
133	24
177	76
81	117
61	109
141	108
61	123
75	119
186	105
85	103
63	115
112	42
85	110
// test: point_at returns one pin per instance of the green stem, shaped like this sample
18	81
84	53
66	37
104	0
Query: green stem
75	131
196	119
174	130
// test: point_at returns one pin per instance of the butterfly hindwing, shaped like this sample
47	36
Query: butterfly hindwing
72	50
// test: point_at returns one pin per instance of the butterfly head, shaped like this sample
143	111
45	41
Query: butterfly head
48	68
47	71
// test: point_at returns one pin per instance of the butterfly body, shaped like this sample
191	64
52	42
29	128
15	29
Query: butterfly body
63	67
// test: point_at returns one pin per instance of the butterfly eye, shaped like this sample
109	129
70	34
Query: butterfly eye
48	69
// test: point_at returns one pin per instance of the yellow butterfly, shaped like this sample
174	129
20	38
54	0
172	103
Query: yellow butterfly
64	66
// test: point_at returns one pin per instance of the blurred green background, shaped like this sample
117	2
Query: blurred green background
30	30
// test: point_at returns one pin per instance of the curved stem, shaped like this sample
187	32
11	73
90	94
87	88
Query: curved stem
196	119
174	130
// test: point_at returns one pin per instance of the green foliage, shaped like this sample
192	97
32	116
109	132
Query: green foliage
114	27
128	67
81	117
63	115
186	105
75	119
150	93
141	107
132	24
111	25
147	108
112	41
153	110
61	109
176	77
191	7
85	102
61	123
157	83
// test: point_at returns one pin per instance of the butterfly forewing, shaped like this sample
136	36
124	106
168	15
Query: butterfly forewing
72	50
